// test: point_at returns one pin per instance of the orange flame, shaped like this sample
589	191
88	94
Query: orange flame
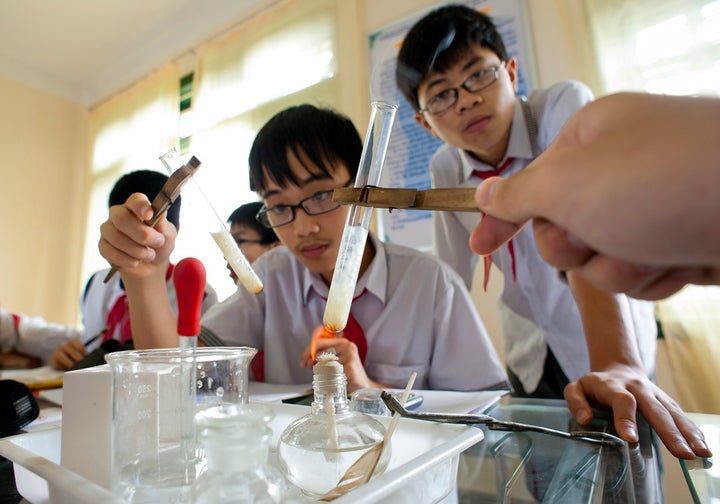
320	332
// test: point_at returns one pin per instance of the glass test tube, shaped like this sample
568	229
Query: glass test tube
355	233
230	250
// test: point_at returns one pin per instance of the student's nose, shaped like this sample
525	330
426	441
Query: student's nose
305	224
467	100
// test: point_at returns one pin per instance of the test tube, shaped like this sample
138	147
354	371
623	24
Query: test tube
355	233
224	240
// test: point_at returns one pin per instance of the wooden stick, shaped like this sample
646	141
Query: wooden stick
453	200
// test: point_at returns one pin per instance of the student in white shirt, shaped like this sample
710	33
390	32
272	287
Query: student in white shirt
104	312
454	70
415	312
33	336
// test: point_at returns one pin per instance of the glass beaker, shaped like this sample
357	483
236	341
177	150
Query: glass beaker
155	457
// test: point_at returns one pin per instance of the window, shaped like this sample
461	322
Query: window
658	46
278	59
669	47
186	89
283	56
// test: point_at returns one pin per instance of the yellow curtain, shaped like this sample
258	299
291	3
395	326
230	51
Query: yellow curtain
128	132
691	325
574	22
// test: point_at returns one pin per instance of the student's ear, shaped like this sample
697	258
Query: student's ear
512	69
420	118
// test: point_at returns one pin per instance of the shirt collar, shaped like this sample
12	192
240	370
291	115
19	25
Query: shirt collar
374	280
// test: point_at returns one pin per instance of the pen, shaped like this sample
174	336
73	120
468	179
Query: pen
94	338
44	384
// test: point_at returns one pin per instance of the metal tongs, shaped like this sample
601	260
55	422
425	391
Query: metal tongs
594	437
166	197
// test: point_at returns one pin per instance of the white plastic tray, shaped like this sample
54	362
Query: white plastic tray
423	466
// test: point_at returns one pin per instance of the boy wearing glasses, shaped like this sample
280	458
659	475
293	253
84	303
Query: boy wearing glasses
454	70
251	237
415	312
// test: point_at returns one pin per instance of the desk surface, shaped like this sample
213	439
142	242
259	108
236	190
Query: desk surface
529	467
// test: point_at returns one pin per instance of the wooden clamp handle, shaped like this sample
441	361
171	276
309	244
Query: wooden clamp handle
453	200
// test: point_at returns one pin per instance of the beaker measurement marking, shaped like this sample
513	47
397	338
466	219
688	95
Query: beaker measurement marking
144	389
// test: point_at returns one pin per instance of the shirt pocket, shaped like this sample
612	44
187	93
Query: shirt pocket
397	376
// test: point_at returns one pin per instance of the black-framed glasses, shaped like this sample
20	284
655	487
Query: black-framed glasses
476	81
280	215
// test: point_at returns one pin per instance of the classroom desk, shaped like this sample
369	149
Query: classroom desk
522	467
702	477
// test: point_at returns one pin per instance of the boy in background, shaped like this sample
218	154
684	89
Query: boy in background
252	238
454	70
104	308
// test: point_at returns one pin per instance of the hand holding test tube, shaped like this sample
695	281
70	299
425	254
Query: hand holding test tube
355	233
230	250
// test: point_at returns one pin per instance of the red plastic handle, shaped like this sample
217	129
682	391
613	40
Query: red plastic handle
189	281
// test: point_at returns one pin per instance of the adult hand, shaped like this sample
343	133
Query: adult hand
127	242
627	390
625	196
68	354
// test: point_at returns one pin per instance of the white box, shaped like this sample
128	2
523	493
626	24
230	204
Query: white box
86	421
423	466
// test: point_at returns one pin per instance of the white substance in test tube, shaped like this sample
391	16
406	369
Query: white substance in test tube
344	279
230	250
237	261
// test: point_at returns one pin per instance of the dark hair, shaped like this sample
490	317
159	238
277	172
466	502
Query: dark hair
245	215
327	137
149	183
438	41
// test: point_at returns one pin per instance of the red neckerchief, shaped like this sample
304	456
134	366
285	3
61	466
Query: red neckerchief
487	260
353	332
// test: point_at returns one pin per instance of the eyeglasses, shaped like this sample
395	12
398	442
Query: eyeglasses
477	81
280	215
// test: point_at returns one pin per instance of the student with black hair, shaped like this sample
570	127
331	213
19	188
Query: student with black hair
251	237
105	314
563	336
412	313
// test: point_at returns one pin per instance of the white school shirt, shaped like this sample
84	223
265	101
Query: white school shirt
538	310
416	315
33	335
100	297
